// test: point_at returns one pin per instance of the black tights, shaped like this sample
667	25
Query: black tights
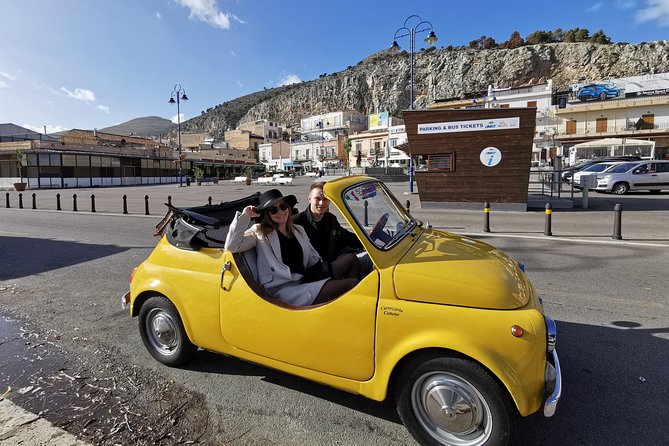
345	275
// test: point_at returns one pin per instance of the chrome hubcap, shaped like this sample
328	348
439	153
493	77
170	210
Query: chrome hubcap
162	331
451	409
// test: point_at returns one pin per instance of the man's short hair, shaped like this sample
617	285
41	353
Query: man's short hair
317	185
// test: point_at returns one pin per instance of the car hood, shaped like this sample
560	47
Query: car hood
449	269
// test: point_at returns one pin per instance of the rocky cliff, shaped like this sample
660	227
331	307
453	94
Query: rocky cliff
381	81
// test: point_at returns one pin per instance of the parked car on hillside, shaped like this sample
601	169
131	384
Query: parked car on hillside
447	327
652	176
598	91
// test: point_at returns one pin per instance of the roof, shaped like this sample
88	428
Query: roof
608	142
13	132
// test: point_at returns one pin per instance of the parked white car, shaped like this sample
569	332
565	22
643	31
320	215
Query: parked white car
592	170
650	175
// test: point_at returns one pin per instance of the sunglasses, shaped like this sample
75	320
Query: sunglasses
275	209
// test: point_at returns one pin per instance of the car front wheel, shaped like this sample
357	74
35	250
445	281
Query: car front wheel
453	401
620	188
163	332
602	95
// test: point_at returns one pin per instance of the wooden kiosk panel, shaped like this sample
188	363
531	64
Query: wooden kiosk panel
474	155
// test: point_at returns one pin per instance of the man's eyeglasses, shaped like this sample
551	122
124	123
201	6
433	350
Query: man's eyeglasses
275	209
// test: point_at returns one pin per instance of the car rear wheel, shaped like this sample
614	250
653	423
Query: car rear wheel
620	188
163	332
453	401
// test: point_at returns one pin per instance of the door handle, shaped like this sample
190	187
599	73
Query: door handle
226	279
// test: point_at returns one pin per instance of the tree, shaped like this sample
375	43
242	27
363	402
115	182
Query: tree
347	149
488	43
515	40
600	37
539	37
581	34
18	157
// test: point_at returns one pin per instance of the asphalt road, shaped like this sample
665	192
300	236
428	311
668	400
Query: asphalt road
63	274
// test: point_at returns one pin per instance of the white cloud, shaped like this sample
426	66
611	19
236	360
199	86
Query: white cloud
240	84
625	4
49	128
103	108
80	94
7	76
654	11
289	79
596	7
181	117
207	11
159	16
233	53
3	84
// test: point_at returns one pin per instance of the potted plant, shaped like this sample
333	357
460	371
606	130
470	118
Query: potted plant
198	173
18	157
248	172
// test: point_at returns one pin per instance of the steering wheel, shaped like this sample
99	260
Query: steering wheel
377	230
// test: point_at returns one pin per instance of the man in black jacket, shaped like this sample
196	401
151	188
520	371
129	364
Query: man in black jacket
324	231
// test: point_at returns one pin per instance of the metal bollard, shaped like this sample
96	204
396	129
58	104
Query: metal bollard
169	200
74	202
58	202
125	204
549	211
209	201
20	201
7	200
408	206
365	215
92	202
34	200
617	221
486	217
146	205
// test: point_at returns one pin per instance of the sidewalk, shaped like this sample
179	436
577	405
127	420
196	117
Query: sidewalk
644	215
18	426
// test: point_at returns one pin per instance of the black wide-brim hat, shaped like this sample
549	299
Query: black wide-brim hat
271	197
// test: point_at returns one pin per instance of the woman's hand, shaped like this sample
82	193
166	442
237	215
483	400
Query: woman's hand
251	211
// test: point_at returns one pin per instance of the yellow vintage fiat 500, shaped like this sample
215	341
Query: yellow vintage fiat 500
448	327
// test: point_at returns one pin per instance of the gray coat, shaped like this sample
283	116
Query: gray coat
273	274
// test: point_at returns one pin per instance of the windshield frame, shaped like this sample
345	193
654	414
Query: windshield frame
403	222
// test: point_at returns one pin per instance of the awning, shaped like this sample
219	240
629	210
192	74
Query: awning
292	163
403	147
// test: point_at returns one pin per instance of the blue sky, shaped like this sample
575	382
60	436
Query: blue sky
94	63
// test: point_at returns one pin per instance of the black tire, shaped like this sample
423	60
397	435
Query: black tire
163	332
482	414
620	188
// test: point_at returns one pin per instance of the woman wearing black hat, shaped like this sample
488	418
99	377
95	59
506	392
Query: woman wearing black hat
286	259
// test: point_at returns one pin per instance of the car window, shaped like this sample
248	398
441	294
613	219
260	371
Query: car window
621	168
378	213
662	167
600	167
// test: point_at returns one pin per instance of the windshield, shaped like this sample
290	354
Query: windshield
621	168
378	213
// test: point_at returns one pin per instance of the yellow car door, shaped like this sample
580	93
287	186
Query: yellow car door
336	338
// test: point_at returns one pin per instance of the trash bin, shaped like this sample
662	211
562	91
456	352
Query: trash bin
187	181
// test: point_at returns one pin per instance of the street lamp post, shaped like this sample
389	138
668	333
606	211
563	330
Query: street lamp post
430	39
321	155
180	95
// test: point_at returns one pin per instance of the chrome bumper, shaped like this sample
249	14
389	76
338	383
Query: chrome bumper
553	374
125	300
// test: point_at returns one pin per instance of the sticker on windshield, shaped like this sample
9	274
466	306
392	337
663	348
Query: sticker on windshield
362	192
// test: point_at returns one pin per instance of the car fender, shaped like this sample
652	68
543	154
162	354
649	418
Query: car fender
518	363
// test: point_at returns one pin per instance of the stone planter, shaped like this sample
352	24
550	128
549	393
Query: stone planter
20	187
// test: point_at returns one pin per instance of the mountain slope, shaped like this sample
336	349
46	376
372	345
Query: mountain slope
381	81
147	127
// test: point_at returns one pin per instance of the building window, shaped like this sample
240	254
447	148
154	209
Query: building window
531	103
504	106
571	127
441	163
601	125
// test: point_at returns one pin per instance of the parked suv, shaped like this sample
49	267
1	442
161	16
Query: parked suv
649	175
568	172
